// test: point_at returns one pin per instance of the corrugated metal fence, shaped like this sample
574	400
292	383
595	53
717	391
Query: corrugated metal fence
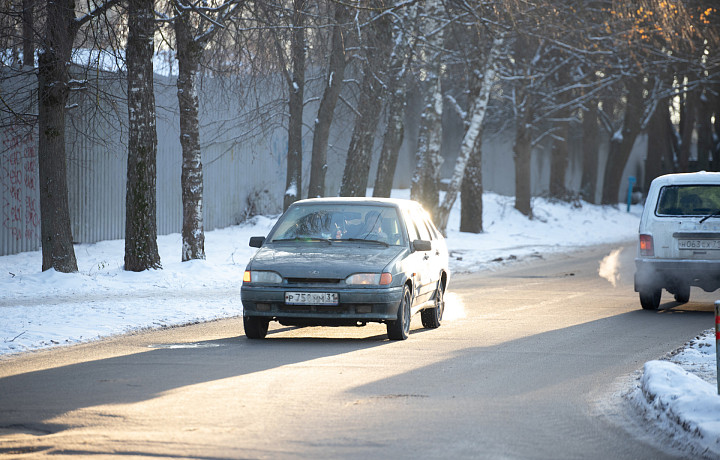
235	166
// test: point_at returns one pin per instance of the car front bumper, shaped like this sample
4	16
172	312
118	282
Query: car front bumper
355	305
664	273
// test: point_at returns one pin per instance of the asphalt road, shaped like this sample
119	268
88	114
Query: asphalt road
533	371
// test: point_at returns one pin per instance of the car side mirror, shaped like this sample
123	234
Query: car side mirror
422	245
257	241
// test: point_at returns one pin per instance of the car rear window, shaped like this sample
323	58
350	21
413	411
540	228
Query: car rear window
688	200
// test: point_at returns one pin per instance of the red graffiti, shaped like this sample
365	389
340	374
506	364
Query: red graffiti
30	181
32	217
18	175
15	177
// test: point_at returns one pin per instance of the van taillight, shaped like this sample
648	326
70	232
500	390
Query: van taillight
646	245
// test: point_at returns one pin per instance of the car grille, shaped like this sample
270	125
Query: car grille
312	281
313	308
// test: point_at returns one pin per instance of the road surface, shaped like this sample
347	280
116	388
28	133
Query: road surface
532	371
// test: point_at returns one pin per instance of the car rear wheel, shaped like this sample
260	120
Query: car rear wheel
432	317
255	327
683	294
400	328
650	298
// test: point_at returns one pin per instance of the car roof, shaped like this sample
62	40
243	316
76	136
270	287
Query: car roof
702	177
397	202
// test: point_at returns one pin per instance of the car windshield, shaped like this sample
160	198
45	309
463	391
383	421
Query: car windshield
689	200
339	222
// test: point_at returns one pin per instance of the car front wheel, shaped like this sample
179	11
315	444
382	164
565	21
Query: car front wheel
650	298
400	328
432	317
255	327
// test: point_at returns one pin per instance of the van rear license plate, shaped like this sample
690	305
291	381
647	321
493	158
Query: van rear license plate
699	244
311	298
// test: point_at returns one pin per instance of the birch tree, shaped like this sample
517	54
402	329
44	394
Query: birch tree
333	85
397	89
194	28
425	182
376	43
141	250
482	83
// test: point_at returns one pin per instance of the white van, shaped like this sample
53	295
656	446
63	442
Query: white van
679	244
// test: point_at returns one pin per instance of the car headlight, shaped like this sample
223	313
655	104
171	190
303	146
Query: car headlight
369	278
253	276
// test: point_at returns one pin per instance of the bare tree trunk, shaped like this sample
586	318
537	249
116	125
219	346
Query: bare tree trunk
471	192
53	92
523	156
659	148
333	81
473	134
397	105
293	183
559	160
28	21
357	165
141	251
704	131
425	185
688	116
392	140
191	178
622	142
590	133
715	103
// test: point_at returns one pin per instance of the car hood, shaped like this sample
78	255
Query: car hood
336	261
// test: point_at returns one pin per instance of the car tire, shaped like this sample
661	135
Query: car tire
432	317
400	328
683	294
256	327
650	298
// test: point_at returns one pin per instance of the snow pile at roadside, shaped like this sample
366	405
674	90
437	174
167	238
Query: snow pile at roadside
679	396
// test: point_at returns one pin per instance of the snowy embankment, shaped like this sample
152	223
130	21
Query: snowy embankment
679	396
45	309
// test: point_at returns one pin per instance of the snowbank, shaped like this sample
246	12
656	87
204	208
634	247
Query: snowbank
680	403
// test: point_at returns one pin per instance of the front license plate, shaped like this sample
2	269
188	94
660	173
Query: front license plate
311	298
699	244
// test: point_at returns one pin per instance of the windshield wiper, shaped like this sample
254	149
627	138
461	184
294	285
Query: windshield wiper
303	238
716	213
368	241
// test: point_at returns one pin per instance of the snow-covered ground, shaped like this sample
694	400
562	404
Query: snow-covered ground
45	309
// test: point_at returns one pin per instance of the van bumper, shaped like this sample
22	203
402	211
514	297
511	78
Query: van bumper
673	273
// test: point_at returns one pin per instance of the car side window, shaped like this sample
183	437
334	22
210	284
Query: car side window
410	224
422	229
433	231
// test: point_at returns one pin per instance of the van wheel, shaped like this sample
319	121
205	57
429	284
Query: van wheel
650	298
683	294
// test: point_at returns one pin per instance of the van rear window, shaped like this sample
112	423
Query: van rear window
688	200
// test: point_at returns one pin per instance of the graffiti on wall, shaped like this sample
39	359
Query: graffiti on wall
19	178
